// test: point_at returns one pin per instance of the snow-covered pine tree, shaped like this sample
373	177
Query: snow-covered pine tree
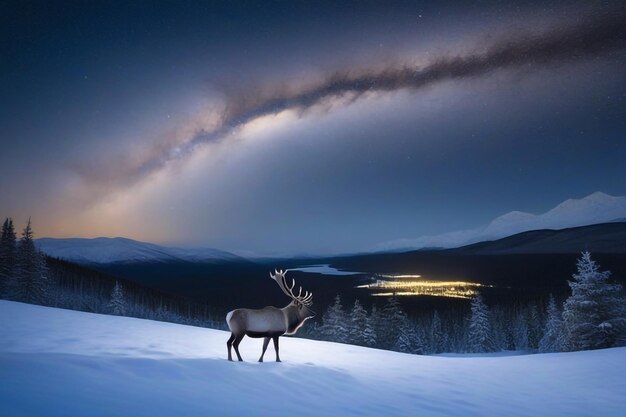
334	323
379	327
535	324
409	338
162	313
438	338
500	328
357	323
551	340
311	331
421	342
370	338
8	258
520	332
360	327
31	285
458	339
392	318
594	316
479	332
117	304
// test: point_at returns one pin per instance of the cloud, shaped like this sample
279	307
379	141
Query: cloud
560	45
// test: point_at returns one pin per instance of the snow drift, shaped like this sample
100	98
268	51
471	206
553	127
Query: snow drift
65	363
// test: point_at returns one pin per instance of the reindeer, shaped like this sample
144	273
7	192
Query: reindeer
270	322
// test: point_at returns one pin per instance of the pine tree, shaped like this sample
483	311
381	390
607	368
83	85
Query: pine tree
31	285
378	326
594	315
458	336
370	338
334	323
409	339
8	258
479	335
421	341
500	329
311	331
438	339
392	318
520	332
552	334
117	305
534	326
357	324
162	313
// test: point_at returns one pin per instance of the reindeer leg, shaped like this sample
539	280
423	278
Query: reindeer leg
266	342
236	346
276	348
229	344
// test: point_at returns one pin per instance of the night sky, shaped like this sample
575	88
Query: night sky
305	127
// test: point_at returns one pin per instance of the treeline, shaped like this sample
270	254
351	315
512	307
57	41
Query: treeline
593	317
29	276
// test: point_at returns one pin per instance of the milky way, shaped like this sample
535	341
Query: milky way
563	44
322	126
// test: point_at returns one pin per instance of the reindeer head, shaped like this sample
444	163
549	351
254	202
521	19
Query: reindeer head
301	301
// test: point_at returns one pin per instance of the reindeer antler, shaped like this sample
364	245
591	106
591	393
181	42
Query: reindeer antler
281	279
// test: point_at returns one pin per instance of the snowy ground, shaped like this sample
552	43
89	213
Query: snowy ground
65	363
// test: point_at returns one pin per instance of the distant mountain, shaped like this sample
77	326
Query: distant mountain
593	209
104	250
597	238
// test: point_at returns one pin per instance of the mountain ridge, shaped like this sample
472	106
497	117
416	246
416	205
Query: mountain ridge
107	250
597	238
595	208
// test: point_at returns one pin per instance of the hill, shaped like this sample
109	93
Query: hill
597	238
104	250
65	363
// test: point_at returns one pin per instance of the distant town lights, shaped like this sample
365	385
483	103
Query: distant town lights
400	286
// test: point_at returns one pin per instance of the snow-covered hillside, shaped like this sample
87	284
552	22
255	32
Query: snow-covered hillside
64	363
105	250
593	209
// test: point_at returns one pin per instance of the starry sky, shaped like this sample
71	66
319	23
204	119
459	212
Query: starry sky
305	127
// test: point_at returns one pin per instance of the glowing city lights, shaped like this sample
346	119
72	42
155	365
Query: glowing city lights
412	285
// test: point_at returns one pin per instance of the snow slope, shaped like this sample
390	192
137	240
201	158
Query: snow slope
64	363
103	250
593	209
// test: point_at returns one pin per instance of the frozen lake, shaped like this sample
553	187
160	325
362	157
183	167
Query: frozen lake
323	269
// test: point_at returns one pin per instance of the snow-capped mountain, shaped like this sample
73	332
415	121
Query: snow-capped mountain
104	250
595	208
